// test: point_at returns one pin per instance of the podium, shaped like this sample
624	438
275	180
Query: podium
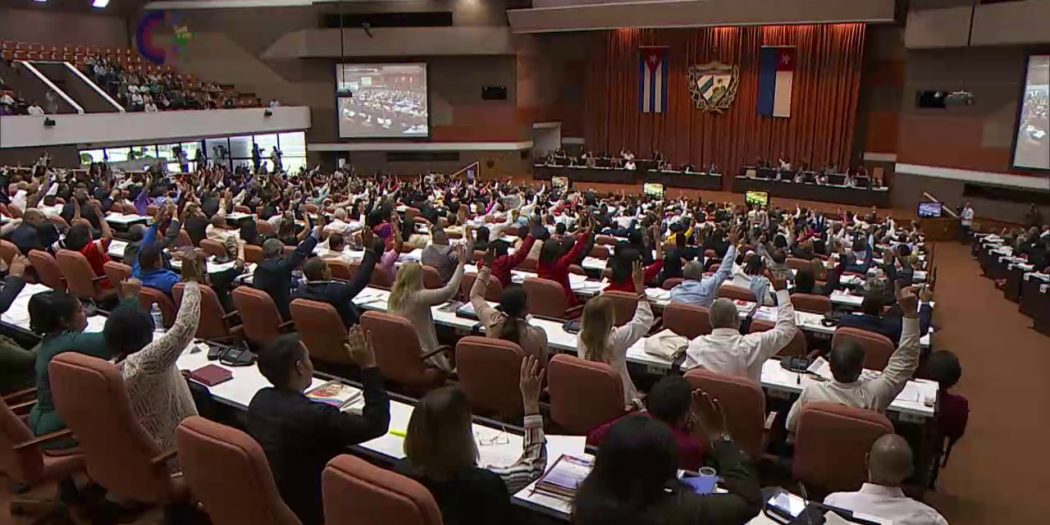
940	229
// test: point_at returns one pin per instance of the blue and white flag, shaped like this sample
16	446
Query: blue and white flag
652	82
776	76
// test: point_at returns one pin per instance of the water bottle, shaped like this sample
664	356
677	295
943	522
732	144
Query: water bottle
158	318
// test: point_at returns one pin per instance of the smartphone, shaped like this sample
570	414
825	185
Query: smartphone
786	505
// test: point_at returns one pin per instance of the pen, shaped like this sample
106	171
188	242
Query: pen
399	433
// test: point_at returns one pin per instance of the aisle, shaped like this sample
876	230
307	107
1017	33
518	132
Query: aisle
999	472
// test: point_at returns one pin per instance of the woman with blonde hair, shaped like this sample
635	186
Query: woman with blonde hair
603	342
411	300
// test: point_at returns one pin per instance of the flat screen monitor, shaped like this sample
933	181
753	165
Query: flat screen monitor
757	198
382	101
653	189
560	182
1032	143
930	210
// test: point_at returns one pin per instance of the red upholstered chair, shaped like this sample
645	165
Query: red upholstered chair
671	283
356	492
22	460
687	320
240	208
253	254
831	442
493	291
262	321
489	370
116	273
321	330
736	293
877	347
431	278
744	404
8	250
213	248
215	323
796	348
80	278
264	227
547	298
228	472
584	394
605	240
150	296
92	400
398	353
806	302
599	252
47	271
624	304
798	264
341	270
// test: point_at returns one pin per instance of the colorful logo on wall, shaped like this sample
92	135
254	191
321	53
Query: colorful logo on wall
162	36
713	86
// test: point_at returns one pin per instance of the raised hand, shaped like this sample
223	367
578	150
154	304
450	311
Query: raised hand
530	382
708	414
359	346
18	266
638	277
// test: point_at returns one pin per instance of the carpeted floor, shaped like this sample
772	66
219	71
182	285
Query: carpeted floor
998	472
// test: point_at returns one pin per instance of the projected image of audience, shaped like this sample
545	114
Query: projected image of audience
1033	134
383	101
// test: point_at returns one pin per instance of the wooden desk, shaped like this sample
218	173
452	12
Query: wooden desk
942	229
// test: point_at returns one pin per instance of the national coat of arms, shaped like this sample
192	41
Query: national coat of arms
713	86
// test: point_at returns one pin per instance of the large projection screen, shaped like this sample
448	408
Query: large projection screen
382	101
1032	145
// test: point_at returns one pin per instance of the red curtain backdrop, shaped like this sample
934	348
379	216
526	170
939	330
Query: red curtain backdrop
823	109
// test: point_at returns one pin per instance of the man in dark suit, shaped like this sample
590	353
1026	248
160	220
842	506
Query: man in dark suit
300	436
320	286
274	273
35	233
890	323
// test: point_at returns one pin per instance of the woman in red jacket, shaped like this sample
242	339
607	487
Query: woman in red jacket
554	265
623	260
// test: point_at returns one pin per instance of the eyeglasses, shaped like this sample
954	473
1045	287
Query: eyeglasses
502	438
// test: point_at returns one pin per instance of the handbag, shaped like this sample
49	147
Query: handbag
666	344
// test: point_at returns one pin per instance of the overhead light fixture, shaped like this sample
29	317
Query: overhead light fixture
40	1
99	3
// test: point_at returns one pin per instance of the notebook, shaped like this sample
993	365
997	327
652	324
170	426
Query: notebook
335	394
562	479
211	375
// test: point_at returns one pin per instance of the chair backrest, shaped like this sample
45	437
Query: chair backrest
488	371
432	278
798	346
599	252
8	250
253	254
736	292
321	330
117	273
76	270
493	290
584	394
228	471
624	305
798	264
356	491
605	240
341	270
258	313
213	248
47	271
744	404
687	320
545	297
398	353
213	324
807	302
92	400
877	347
150	296
831	442
25	466
669	284
264	227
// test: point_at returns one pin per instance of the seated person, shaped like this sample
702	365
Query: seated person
554	262
273	275
300	436
726	351
601	341
159	395
502	263
847	363
668	401
635	476
805	282
751	277
696	290
510	321
79	239
35	232
439	254
621	264
320	286
859	259
889	464
442	455
953	410
152	273
411	300
16	363
874	318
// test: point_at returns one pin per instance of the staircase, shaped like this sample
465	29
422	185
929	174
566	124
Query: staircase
30	87
84	92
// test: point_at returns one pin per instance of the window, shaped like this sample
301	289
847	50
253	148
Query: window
241	147
293	144
87	156
117	154
266	143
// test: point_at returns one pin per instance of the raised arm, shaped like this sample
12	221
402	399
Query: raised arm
447	292
159	356
772	341
533	460
477	291
905	359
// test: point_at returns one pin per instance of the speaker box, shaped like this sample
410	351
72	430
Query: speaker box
494	93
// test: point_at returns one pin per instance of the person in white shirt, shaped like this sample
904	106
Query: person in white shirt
847	363
966	219
340	225
629	165
726	351
35	110
151	107
600	340
889	464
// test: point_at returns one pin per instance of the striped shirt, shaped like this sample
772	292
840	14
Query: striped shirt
533	460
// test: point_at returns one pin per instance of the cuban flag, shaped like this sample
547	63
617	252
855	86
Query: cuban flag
776	75
652	82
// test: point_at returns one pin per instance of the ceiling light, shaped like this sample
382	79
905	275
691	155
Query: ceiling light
99	3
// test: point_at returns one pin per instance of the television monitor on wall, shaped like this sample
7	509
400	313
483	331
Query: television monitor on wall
560	182
382	101
930	210
653	189
1032	143
756	198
